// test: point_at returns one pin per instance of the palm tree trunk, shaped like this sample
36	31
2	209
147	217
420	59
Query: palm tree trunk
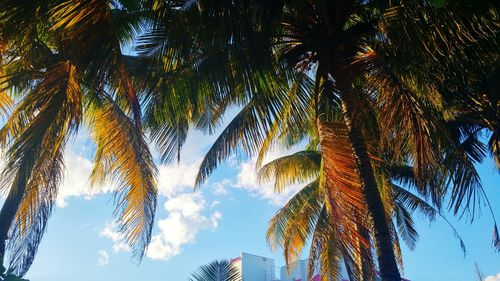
383	241
9	209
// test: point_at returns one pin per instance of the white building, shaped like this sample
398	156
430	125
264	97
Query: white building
258	268
299	272
255	268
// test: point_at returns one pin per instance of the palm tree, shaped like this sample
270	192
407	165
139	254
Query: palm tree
222	270
62	62
342	44
305	217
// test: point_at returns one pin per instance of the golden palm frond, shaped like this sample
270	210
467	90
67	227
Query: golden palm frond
345	198
52	111
326	251
292	224
6	102
411	125
340	166
494	145
123	158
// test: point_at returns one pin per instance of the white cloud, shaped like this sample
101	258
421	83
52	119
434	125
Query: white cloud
103	258
187	212
181	226
176	178
76	179
493	277
110	232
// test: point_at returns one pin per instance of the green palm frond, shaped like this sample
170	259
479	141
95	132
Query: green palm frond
170	139
296	168
415	203
445	34
293	124
217	270
247	129
405	225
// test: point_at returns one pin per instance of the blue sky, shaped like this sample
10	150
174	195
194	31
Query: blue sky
227	216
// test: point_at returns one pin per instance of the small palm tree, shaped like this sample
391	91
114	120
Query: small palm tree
222	270
310	214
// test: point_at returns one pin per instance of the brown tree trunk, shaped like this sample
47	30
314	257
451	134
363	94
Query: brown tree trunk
383	241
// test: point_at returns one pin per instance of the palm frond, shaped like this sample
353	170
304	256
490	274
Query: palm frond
494	146
415	203
170	139
292	224
340	168
345	199
442	35
123	158
217	270
89	28
325	253
296	168
35	158
247	129
406	226
410	124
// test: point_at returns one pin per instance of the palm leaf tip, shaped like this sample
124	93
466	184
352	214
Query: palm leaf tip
496	238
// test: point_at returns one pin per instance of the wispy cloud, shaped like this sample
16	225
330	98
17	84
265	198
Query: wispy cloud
246	179
103	258
220	187
116	237
185	219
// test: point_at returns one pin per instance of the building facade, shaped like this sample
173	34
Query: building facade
255	268
259	268
299	272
